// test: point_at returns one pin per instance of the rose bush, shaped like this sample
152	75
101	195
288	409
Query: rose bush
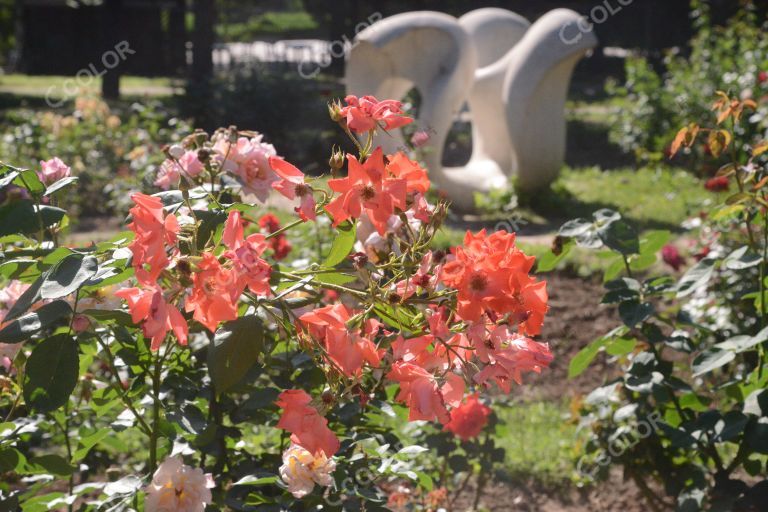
685	409
190	361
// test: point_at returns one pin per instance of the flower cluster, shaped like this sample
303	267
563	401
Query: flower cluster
382	309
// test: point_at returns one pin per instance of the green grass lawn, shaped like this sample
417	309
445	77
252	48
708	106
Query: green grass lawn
539	443
39	86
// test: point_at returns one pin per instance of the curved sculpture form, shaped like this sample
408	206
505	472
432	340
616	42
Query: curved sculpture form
387	61
514	75
493	32
535	89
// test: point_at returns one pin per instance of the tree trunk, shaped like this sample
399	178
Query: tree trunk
202	40
110	81
199	93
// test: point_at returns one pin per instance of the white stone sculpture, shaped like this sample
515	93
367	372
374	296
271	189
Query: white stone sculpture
513	75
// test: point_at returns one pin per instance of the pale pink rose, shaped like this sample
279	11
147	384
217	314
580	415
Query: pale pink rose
8	352
301	470
176	487
53	170
171	171
419	138
80	323
248	161
168	175
9	295
190	165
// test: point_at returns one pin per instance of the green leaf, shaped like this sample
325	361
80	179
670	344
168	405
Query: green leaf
711	360
30	180
756	435
106	315
633	312
652	241
696	277
51	373
342	244
583	232
550	260
584	357
337	278
68	275
25	326
12	460
22	217
742	258
209	223
259	479
52	464
7	178
59	185
85	444
731	425
621	237
621	346
235	349
757	403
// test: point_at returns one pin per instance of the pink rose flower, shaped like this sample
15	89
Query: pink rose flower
248	161
53	170
419	138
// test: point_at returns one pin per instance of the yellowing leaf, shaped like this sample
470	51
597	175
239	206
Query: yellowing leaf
678	142
760	148
726	170
718	141
685	137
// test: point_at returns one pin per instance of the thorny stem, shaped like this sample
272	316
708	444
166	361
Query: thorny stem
144	427
154	432
482	476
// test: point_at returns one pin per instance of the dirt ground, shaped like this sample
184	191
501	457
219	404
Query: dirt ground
575	319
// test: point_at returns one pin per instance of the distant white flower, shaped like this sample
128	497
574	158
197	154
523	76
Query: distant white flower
301	470
176	487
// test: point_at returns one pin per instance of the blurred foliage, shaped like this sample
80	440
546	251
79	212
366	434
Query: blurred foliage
109	149
287	108
732	58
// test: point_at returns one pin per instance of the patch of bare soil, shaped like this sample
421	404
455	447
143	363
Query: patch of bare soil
613	495
575	319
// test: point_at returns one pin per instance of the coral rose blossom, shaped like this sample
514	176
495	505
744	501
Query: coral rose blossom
366	190
367	113
308	429
301	470
292	185
176	487
491	276
149	308
249	269
153	232
347	349
420	391
214	293
53	170
469	418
